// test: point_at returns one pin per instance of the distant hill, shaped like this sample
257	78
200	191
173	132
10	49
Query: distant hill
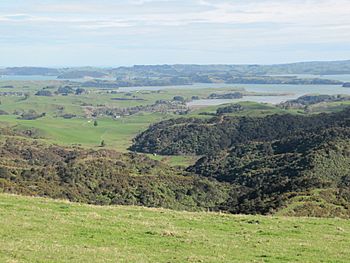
198	73
78	74
316	68
169	75
30	71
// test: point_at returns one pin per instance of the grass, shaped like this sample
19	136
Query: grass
175	160
44	230
117	134
252	109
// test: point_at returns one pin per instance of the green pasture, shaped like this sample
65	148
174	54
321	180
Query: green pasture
43	230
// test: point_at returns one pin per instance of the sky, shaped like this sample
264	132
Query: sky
127	32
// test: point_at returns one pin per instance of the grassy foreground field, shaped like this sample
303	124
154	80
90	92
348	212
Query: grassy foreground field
43	230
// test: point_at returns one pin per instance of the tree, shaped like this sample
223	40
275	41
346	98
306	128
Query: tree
44	93
179	98
65	90
103	144
95	123
4	172
79	91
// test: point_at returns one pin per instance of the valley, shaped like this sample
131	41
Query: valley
152	141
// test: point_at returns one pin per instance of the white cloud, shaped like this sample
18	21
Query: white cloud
147	12
208	25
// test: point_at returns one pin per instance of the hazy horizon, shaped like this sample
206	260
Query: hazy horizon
131	65
107	33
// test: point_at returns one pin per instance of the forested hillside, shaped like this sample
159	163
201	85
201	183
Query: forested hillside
103	177
275	164
203	136
273	172
270	160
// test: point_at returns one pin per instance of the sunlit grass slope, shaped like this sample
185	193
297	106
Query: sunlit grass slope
43	230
